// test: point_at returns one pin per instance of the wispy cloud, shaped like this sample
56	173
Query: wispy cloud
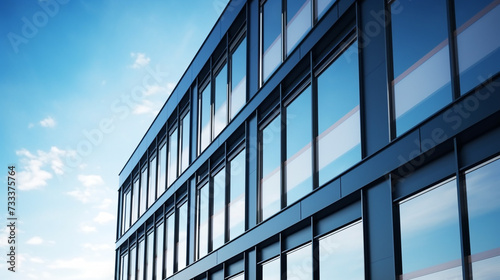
89	191
48	122
79	268
146	107
104	217
36	240
105	203
97	247
90	180
140	60
87	229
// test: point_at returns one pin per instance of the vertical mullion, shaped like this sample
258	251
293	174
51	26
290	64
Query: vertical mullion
361	87
210	209
455	84
314	118
227	189
390	71
212	102
282	149
283	30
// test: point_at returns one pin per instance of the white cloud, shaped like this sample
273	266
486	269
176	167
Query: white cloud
48	122
105	203
31	125
35	241
141	60
146	107
81	268
36	260
97	247
89	192
87	228
90	180
103	218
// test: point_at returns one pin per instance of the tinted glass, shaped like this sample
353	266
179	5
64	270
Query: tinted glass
132	270
140	260
239	78
185	142
272	45
126	212
237	196
322	6
149	260
159	251
169	246
135	201
203	221
124	267
298	166
271	270
162	170
299	264
173	149
421	84
220	118
205	119
341	254
152	182
298	23
239	277
270	193
144	191
218	210
478	41
430	236
182	243
483	196
339	130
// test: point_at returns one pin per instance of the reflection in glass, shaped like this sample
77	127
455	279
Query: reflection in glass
236	205
203	221
162	170
239	78
218	210
272	42
124	267
169	246
126	212
140	260
185	130
132	269
271	270
135	201
298	22
483	196
421	61
144	191
478	41
298	166
299	264
182	243
339	129
322	6
341	254
173	150
270	193
205	119
430	235
152	182
149	260
220	102
159	251
238	277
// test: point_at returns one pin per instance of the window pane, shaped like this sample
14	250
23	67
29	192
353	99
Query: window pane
483	196
299	264
272	45
239	277
430	235
152	182
298	166
126	212
478	41
185	142
270	193
299	14
322	6
135	201
144	191
149	260
339	130
132	270
162	170
172	157
140	260
218	217
169	246
421	84
271	270
237	196
182	243
341	254
159	251
220	114
205	119
124	267
203	221
239	78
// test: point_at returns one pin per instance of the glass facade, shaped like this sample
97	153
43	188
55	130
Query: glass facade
203	215
159	251
124	267
169	245
126	212
271	270
238	78
152	182
144	191
236	206
205	119
270	186
272	44
133	260
299	264
135	201
220	102
298	22
183	235
162	170
218	209
173	150
149	255
140	260
186	134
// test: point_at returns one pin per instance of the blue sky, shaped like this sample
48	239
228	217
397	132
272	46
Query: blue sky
81	81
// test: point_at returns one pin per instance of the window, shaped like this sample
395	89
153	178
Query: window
182	240
298	22
140	260
238	277
220	101
270	186
483	195
144	190
149	260
339	129
162	170
205	119
299	264
203	196
218	210
132	271
169	246
126	212
477	41
271	270
184	138
421	61
172	157
341	254
124	267
135	200
272	44
298	166
152	182
238	78
159	251
430	234
322	6
236	206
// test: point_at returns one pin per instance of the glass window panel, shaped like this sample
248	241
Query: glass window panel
299	264
205	119
203	221
270	193
149	260
182	243
132	270
173	150
483	196
478	41
339	129
152	182
140	260
238	277
239	78
135	201
272	42
322	6
169	246
298	166
126	212
144	191
219	195
220	102
124	267
271	270
341	254
159	251
237	196
185	130
421	84
430	234
162	170
299	22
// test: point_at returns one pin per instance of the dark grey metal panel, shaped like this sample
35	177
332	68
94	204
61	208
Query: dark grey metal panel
320	199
